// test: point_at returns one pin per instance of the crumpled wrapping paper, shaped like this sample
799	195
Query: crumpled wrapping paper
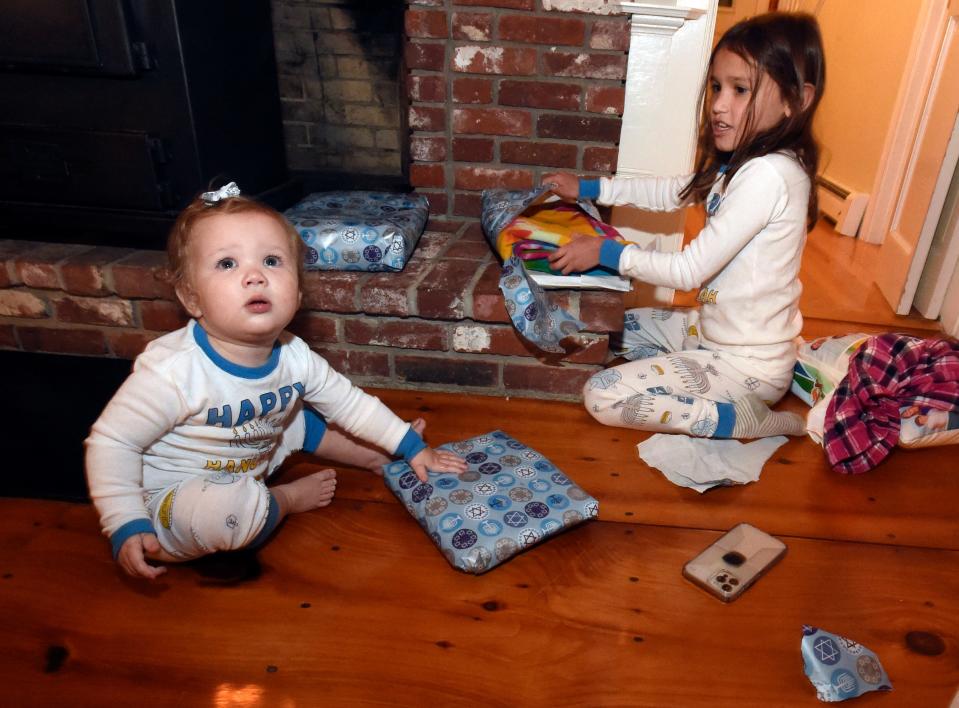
840	668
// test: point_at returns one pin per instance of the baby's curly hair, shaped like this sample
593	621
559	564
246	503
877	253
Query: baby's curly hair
178	243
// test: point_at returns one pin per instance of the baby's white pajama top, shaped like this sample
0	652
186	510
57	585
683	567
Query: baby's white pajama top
187	412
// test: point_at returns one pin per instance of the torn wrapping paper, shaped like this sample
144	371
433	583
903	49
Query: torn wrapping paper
509	499
524	228
534	315
535	217
840	668
366	231
704	463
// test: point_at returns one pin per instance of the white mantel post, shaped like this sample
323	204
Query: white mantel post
670	43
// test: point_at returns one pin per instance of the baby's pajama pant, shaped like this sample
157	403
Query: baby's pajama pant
670	384
222	511
225	511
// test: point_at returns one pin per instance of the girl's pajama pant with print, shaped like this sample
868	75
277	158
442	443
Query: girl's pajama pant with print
671	384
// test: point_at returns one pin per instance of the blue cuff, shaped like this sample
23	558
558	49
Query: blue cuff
130	528
727	419
269	526
315	429
589	189
411	445
609	254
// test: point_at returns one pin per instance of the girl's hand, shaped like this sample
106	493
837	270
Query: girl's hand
438	461
563	184
133	560
580	254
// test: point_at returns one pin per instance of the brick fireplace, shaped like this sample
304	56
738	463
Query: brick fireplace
501	92
493	93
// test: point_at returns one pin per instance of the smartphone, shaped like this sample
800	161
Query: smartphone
735	561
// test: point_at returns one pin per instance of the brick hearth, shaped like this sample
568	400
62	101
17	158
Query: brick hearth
440	324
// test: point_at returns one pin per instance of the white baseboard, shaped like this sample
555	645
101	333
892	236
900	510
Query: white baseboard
842	206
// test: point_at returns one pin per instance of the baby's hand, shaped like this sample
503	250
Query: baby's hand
580	254
562	184
438	461
132	559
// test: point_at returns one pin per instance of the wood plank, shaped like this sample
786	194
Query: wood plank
908	500
355	606
837	275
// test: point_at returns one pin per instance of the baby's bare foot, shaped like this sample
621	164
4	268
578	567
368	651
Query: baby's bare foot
310	492
418	425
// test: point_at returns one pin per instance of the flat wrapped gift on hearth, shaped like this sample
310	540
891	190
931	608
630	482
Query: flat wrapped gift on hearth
365	231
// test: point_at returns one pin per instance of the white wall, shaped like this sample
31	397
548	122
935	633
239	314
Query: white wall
867	43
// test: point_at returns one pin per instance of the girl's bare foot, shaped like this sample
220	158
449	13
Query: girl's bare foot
306	493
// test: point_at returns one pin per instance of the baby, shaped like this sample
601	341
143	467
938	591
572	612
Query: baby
177	461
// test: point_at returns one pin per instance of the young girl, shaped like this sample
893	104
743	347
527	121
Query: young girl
710	372
177	461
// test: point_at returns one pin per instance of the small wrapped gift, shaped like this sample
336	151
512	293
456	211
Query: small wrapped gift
509	499
368	231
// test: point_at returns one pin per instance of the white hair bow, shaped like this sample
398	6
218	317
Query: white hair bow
224	192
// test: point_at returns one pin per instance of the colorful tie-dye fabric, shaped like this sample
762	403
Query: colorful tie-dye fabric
510	217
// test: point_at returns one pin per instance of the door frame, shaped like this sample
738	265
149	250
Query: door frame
904	135
932	157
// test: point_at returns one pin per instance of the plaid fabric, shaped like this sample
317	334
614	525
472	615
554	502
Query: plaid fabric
888	372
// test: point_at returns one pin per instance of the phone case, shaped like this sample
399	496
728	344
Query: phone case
735	561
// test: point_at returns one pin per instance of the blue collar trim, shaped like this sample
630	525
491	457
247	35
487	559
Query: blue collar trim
244	372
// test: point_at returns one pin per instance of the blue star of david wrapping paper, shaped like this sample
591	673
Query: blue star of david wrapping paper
840	668
534	315
509	499
366	231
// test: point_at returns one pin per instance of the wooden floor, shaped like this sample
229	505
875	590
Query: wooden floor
353	605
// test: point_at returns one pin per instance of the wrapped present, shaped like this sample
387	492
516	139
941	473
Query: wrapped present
366	231
524	228
509	499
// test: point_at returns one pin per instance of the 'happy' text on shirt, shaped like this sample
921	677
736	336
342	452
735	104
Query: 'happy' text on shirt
250	409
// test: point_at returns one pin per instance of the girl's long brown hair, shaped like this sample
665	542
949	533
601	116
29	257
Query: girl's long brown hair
786	48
